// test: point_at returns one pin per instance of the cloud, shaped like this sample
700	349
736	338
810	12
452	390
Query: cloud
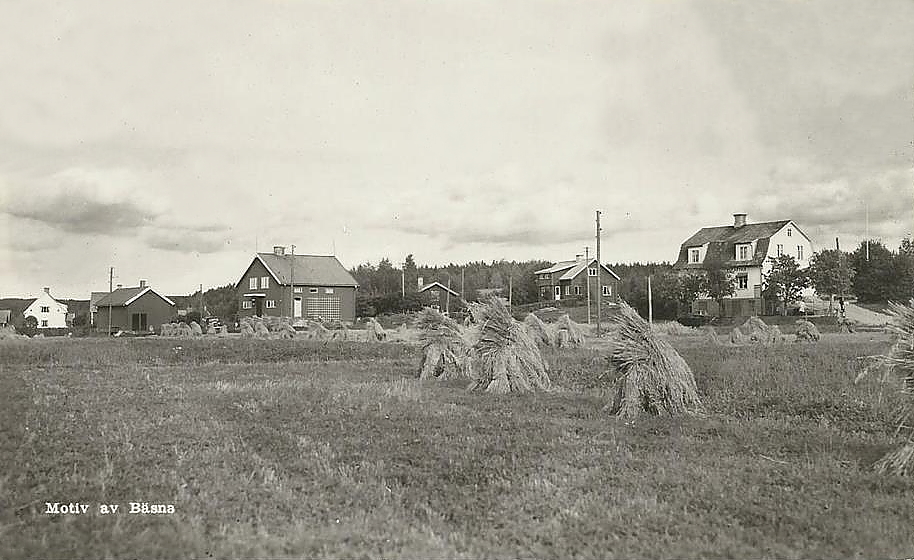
185	240
83	200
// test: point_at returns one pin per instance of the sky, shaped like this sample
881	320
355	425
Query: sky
171	139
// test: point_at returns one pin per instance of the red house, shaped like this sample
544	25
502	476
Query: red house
313	286
570	280
137	309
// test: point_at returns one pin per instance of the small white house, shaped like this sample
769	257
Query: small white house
50	313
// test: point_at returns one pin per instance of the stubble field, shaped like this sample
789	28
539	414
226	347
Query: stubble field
312	449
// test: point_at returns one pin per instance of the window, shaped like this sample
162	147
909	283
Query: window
264	282
742	282
271	304
297	290
568	290
45	309
742	252
592	271
252	284
328	290
780	249
577	290
789	232
607	291
545	291
694	255
799	252
44	322
312	290
246	304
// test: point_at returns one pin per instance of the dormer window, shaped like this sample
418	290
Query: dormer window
694	255
743	252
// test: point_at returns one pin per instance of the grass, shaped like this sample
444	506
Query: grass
289	450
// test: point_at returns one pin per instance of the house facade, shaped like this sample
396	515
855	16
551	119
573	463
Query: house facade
137	309
440	297
50	313
571	280
745	250
299	286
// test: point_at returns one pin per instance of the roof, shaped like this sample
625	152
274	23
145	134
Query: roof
324	270
561	265
722	239
95	296
126	296
573	268
437	285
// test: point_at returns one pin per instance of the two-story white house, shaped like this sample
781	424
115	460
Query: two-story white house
744	249
50	313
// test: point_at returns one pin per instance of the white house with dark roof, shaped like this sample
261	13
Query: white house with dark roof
570	280
50	313
744	249
286	285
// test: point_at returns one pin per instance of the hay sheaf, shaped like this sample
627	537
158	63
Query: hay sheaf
900	362
508	358
376	332
807	331
538	330
654	377
568	334
445	352
710	335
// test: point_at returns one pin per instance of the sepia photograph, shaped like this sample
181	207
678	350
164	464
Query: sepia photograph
456	279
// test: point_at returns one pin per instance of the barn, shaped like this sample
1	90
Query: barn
138	309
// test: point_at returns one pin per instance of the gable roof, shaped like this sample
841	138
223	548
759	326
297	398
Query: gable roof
574	268
437	285
721	241
324	270
126	296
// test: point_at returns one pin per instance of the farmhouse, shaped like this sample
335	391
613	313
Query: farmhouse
312	286
136	309
50	313
744	250
571	280
440	297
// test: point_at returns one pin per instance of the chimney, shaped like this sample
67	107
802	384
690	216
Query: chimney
420	281
119	286
578	258
279	250
47	291
739	220
142	283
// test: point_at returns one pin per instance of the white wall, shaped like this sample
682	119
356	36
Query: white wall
56	316
790	244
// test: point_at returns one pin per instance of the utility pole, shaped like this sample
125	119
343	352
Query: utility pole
447	297
110	289
403	280
463	278
587	259
599	287
650	303
292	284
202	305
867	231
510	288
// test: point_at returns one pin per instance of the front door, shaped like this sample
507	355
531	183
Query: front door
296	307
258	307
558	293
138	322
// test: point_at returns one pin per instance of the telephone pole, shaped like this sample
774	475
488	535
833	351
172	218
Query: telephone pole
110	289
599	287
587	259
292	284
650	303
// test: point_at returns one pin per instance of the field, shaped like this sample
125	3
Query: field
312	449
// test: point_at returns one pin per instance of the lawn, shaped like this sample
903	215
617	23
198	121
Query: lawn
310	449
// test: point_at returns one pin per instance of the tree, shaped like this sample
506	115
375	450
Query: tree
876	279
785	281
903	288
410	274
719	283
689	286
831	273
